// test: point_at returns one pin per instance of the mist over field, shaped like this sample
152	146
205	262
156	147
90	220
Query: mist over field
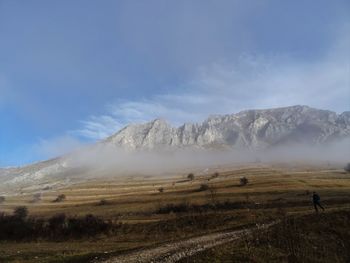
118	161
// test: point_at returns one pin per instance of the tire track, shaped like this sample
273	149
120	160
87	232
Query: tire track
173	252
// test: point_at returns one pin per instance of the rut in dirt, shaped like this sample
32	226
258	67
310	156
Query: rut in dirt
173	252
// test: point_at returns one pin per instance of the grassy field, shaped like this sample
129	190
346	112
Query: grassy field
134	202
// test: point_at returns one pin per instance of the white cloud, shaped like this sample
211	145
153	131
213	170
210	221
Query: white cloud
98	127
230	86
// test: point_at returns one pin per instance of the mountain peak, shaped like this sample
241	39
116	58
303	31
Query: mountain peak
249	128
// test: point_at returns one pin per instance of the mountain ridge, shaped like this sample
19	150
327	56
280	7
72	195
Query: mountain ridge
248	128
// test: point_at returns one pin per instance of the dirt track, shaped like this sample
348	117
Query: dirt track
172	252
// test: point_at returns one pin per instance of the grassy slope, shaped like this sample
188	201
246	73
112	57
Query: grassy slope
127	195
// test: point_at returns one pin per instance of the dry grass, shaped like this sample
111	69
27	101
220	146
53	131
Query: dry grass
142	194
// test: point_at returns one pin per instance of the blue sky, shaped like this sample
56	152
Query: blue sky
73	72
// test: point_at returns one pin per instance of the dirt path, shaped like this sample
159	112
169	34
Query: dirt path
172	252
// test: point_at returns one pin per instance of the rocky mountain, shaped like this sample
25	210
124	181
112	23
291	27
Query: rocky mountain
247	129
253	129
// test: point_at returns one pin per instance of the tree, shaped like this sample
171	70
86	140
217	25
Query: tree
243	181
215	175
190	176
60	198
20	212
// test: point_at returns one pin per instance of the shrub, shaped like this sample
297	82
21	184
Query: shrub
58	227
187	207
103	202
20	212
60	198
203	187
190	176
160	189
2	199
243	181
89	225
174	208
57	224
213	195
347	168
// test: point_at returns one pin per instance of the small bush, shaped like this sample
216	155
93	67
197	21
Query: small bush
174	208
243	181
160	189
187	207
103	202
190	176
60	198
2	199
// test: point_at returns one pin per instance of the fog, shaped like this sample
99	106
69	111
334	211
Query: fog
113	161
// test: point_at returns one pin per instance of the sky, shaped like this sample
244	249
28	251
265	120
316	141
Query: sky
73	72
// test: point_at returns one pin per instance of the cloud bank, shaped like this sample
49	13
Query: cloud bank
107	160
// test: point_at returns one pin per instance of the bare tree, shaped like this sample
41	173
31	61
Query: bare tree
190	176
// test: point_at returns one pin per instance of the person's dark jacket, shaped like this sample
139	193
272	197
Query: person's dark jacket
315	198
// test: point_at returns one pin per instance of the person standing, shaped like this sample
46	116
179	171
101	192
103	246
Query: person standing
316	201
